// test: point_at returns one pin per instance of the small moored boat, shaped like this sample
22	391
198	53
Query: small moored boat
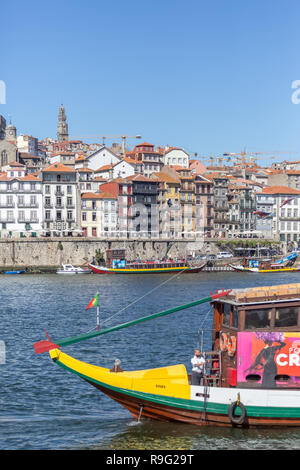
69	269
286	264
21	271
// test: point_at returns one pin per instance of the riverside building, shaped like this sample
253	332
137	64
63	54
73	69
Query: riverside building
20	203
60	200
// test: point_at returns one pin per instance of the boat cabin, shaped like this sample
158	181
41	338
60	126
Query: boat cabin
256	333
258	263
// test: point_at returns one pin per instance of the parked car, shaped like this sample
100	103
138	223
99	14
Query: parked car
211	257
224	254
201	257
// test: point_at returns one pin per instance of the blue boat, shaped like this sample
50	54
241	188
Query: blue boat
14	272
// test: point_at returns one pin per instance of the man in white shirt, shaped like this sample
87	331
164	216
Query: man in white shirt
198	362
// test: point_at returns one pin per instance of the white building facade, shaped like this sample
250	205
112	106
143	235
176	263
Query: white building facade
21	204
60	200
176	157
283	206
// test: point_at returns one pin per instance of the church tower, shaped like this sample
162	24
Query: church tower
11	133
62	126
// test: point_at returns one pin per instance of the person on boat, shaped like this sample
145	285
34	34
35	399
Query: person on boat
198	362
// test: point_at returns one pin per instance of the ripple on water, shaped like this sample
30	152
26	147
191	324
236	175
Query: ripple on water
44	407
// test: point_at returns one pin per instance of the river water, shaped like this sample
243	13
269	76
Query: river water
44	407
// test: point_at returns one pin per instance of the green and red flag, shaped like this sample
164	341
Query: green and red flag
94	302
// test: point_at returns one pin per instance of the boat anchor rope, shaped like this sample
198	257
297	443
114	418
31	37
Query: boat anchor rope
140	413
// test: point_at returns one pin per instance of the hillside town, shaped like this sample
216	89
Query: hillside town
69	188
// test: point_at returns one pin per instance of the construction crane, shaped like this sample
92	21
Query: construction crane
123	137
254	156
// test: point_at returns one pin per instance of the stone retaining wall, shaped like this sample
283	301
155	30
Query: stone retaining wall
79	251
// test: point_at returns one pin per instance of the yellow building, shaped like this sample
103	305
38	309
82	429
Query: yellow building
168	202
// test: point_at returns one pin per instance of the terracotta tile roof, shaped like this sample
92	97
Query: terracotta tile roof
84	170
58	168
80	158
279	190
103	168
144	144
215	175
28	178
130	160
165	177
4	177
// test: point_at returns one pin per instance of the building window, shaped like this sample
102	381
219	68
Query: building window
3	158
84	216
94	231
21	216
94	216
33	216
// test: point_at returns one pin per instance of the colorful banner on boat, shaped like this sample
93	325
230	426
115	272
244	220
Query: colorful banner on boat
268	358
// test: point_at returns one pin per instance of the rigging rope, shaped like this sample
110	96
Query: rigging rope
140	298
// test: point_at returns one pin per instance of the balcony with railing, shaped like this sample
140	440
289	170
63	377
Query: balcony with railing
28	220
7	220
7	204
28	204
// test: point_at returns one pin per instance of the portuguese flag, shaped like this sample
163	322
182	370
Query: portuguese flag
94	302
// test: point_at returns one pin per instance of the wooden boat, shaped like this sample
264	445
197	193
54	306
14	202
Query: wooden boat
266	266
147	268
252	372
69	269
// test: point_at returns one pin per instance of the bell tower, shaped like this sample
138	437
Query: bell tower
62	126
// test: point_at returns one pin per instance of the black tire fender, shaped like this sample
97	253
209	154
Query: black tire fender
231	413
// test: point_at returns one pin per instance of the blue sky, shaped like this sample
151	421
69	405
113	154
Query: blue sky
210	76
